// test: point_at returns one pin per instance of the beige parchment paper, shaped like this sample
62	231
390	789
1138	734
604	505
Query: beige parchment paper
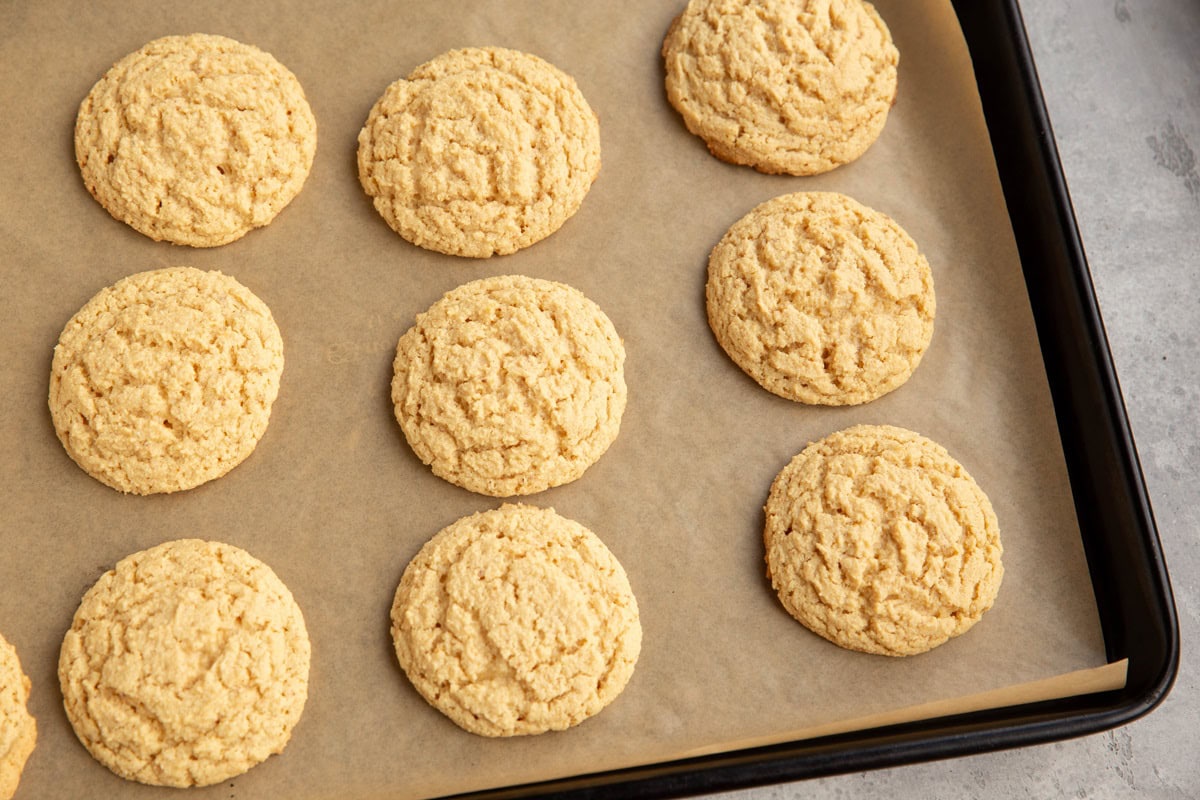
337	504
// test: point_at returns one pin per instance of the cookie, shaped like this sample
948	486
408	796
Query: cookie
516	621
185	665
18	728
821	299
510	385
879	541
195	139
479	152
165	379
785	86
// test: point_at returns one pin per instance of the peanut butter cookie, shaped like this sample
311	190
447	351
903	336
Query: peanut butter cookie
821	299
879	541
479	152
510	385
165	379
185	665
18	728
516	621
196	139
785	86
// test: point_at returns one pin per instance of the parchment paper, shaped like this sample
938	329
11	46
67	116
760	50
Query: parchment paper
336	503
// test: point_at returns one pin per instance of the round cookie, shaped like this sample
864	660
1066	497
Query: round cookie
185	665
479	152
879	541
785	86
195	139
821	299
18	729
510	385
516	621
165	379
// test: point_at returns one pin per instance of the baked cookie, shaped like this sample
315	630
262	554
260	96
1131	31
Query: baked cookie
479	152
785	86
18	728
879	541
510	385
165	379
821	299
185	665
516	621
195	139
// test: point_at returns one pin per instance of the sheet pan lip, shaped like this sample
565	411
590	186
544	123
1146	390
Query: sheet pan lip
992	28
897	745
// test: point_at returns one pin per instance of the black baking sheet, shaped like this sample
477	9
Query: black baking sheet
332	493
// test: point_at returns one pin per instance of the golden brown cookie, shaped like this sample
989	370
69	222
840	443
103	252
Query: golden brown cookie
785	86
879	541
185	665
821	299
195	139
18	728
516	621
165	379
510	385
479	152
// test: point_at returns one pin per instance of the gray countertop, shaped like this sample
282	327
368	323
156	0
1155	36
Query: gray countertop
1121	80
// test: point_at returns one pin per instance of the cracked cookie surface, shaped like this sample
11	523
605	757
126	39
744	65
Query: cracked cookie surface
821	299
510	385
879	541
479	152
785	86
18	729
165	380
195	139
185	665
516	621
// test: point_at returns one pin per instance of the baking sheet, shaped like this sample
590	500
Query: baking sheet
335	501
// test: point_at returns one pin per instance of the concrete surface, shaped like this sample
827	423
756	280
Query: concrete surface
1122	83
